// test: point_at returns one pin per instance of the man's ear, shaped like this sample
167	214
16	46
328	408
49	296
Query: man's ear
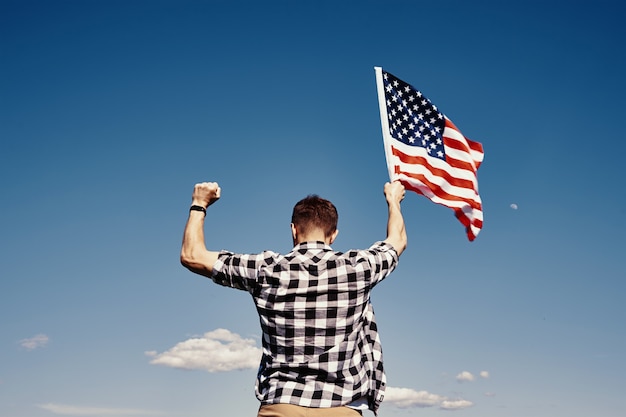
333	236
294	232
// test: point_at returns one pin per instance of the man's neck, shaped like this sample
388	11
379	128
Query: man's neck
313	237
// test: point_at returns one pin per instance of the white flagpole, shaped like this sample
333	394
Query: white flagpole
384	120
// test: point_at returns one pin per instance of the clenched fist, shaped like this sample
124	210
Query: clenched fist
394	192
205	194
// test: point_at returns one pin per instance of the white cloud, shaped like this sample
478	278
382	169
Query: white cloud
34	342
465	377
455	404
514	206
408	398
484	374
72	410
216	351
490	394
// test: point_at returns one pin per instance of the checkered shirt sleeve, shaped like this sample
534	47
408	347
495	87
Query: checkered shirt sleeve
320	341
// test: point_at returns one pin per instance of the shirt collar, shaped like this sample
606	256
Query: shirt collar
312	245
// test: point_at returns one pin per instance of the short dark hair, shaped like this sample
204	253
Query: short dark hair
314	212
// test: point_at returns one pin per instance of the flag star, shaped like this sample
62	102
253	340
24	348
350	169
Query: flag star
404	131
388	88
411	126
395	83
438	141
440	154
424	102
412	139
411	97
405	116
394	98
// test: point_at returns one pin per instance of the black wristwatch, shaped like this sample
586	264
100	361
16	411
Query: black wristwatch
197	208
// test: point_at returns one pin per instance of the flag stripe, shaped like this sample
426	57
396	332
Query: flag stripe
476	150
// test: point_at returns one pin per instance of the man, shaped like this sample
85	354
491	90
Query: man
321	350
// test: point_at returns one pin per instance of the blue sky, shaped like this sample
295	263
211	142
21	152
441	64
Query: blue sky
110	112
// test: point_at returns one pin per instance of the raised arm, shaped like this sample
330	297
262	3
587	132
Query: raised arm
396	232
194	254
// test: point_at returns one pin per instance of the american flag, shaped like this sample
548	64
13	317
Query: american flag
426	151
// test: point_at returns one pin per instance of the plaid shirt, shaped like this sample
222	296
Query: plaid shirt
320	341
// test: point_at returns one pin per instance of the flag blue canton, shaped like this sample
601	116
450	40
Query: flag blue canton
413	119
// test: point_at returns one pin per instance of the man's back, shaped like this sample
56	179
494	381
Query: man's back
318	324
